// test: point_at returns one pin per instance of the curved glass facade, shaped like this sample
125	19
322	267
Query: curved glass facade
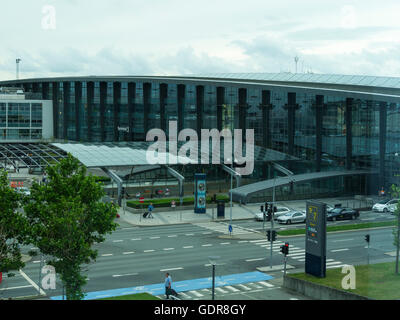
326	129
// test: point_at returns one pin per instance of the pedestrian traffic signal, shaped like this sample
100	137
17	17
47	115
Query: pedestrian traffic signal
285	249
269	216
269	235
274	235
262	208
367	238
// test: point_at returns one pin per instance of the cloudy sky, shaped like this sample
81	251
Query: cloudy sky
173	37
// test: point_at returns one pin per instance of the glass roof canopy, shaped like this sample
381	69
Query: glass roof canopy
29	155
97	155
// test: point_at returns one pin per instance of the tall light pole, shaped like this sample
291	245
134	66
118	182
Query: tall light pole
17	62
296	60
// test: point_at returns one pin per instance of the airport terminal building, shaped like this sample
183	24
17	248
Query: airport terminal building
341	131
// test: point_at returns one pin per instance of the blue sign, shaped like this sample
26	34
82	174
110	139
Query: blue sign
230	229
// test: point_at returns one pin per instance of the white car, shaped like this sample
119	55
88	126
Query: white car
385	205
292	217
23	190
280	211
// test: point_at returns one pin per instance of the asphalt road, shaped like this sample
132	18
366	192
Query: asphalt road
135	256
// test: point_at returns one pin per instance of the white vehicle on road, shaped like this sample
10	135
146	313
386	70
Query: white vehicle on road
292	217
280	211
385	205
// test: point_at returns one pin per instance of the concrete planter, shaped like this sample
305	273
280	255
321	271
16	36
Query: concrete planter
319	292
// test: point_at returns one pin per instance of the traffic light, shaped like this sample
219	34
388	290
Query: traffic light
367	238
274	235
269	235
285	249
262	208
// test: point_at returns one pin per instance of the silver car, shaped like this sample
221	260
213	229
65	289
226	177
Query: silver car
280	211
292	217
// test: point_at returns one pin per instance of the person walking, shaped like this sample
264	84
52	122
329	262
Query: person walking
168	285
150	209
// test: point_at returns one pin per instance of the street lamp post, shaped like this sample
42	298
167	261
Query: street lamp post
18	61
213	260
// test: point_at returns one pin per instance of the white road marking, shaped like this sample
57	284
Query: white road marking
128	252
124	275
136	239
118	240
32	283
173	236
207	245
168	249
333	263
340	250
189	234
188	247
232	288
196	293
107	255
221	290
149	251
171	269
255	285
207	233
244	287
266	284
338	266
152	238
13	288
244	241
258	259
225	243
343	240
184	295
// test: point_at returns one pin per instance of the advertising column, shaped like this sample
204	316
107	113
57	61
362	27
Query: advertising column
200	193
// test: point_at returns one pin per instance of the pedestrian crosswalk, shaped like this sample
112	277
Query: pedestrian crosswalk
295	253
204	294
223	227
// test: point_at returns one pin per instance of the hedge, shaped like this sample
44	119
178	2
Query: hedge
166	202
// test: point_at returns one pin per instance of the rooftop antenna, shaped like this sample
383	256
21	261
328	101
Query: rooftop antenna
296	60
18	61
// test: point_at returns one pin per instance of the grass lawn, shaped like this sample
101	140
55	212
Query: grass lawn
138	296
341	228
377	281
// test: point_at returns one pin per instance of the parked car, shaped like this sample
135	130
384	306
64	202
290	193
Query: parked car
342	214
23	190
385	206
292	217
280	211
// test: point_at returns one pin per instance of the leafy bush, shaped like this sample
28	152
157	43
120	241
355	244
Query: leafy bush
166	202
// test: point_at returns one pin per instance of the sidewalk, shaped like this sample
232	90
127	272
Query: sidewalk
239	212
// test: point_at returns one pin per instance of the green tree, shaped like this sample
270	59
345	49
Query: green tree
396	231
66	218
13	227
